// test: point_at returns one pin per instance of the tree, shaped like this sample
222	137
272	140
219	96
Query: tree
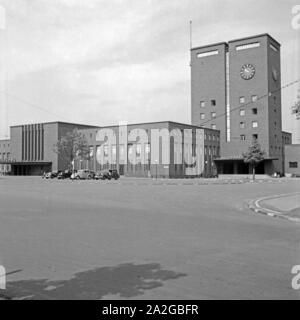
296	107
254	156
72	146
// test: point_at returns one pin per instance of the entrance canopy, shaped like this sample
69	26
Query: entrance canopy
26	168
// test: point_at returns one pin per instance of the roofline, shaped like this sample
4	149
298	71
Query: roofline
54	122
286	132
236	40
156	122
255	36
209	45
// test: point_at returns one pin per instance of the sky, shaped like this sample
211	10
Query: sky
104	61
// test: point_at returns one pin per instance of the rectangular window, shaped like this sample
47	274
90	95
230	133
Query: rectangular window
202	104
247	46
242	125
213	103
242	112
138	150
242	99
293	164
207	53
254	98
254	124
255	137
213	114
242	137
202	116
254	110
214	127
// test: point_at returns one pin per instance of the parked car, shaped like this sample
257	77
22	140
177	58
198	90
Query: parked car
65	174
103	175
107	175
114	174
83	174
52	174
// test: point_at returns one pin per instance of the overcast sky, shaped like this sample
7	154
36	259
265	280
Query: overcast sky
104	61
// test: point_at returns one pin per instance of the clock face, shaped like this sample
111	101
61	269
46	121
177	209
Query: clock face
247	71
275	74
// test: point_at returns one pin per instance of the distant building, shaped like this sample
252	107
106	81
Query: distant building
236	88
30	151
292	159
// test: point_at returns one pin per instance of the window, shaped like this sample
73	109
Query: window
202	104
213	114
254	124
275	123
91	135
242	112
254	98
293	164
242	125
242	137
213	103
247	46
255	137
138	150
242	99
207	53
214	127
254	110
202	116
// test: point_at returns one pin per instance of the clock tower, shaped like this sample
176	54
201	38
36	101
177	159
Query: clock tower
236	89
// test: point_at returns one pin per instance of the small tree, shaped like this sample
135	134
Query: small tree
72	146
296	107
254	156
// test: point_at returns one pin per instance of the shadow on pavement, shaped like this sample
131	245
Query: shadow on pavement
126	280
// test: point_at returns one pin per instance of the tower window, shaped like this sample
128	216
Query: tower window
293	164
255	137
242	99
202	104
242	137
213	114
202	116
254	98
254	111
242	125
242	112
254	124
214	127
213	103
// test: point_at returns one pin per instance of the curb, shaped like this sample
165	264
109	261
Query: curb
255	207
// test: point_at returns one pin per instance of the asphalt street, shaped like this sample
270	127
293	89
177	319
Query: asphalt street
96	240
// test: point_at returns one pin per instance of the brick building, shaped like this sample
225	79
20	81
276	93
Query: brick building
30	151
236	88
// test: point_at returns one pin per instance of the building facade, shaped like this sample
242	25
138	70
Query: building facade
168	149
236	88
292	160
5	156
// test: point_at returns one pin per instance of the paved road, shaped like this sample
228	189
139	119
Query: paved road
87	239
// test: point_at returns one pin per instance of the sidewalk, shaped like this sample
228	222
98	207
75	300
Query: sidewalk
283	206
